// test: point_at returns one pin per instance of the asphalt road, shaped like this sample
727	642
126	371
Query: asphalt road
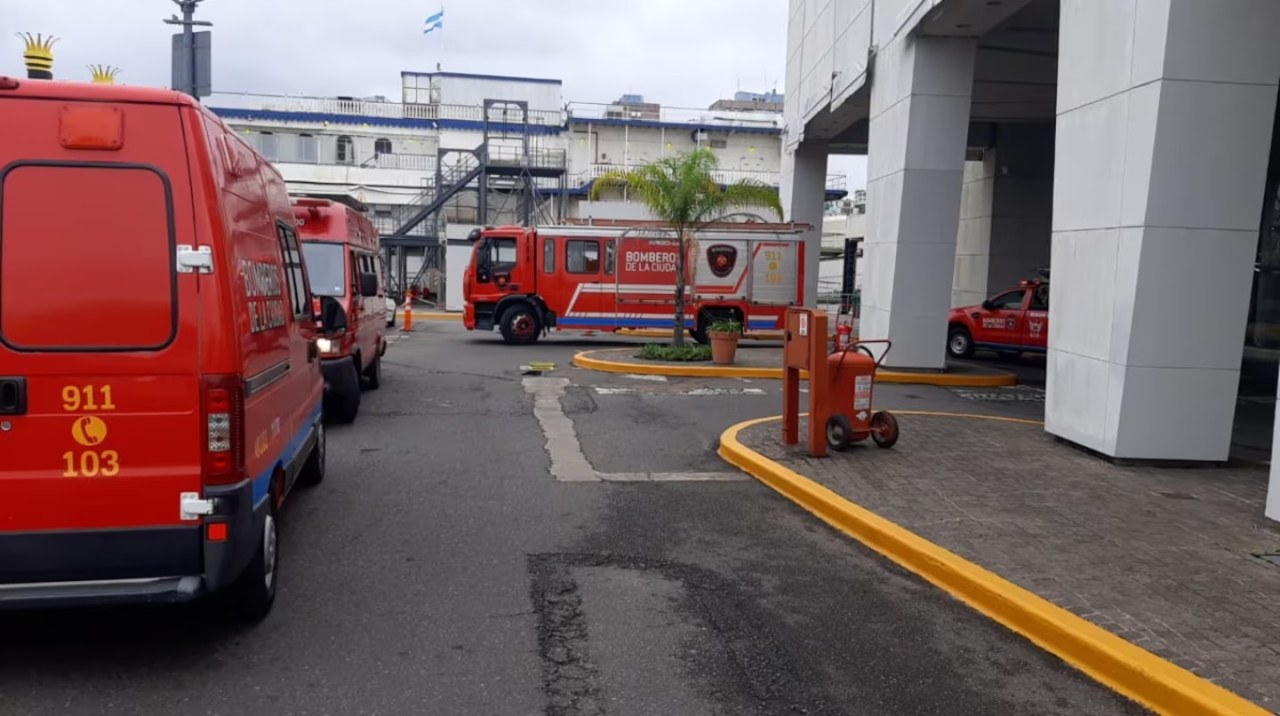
442	569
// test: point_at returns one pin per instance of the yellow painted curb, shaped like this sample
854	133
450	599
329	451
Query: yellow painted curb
582	360
1128	669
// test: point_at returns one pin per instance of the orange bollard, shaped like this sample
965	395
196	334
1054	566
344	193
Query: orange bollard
408	314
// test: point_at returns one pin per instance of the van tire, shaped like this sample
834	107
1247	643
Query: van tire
373	374
313	469
343	402
254	591
520	325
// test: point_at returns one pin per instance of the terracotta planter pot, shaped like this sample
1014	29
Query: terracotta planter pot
724	346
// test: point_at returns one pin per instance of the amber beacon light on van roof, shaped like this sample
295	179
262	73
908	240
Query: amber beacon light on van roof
38	55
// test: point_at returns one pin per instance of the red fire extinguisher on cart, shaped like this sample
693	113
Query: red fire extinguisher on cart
844	332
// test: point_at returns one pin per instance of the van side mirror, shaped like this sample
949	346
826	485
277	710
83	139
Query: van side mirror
368	284
332	318
987	305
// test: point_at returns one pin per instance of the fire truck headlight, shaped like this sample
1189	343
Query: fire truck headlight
326	345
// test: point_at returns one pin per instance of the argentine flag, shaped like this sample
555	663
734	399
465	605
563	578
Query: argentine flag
435	22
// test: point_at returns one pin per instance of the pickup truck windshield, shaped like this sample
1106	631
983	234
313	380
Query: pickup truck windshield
325	268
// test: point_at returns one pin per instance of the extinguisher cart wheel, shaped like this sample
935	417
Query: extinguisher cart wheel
884	429
839	432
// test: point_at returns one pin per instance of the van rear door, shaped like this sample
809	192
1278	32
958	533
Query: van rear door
99	373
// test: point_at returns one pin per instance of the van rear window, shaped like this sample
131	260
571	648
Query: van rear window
86	258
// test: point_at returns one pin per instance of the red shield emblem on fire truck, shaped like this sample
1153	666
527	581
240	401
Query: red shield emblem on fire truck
721	258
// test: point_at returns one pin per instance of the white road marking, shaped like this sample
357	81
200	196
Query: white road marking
568	464
654	378
626	390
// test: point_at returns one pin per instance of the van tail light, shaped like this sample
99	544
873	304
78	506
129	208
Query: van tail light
223	408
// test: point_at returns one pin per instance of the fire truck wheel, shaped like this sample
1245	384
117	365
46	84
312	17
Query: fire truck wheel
884	429
959	342
520	324
839	432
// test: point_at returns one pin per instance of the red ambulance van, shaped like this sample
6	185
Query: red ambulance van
340	248
160	384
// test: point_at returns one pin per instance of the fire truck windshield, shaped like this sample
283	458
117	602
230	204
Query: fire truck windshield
325	268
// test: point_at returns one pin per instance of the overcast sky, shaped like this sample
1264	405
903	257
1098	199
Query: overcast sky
680	53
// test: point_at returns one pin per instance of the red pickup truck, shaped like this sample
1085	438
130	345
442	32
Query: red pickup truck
1009	323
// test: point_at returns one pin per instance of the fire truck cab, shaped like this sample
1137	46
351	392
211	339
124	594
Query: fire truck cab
527	281
1010	323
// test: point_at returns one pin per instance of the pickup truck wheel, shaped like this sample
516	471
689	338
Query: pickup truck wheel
959	342
254	591
342	402
520	325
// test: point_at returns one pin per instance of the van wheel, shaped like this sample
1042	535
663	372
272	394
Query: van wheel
254	591
313	469
520	325
959	342
343	401
373	374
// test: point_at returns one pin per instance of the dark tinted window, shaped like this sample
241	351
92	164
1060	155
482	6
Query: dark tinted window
1040	299
295	274
1010	301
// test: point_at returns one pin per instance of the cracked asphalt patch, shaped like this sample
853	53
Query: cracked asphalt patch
687	622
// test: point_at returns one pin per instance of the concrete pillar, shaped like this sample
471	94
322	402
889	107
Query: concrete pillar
1164	121
803	194
1006	209
1022	205
973	239
918	130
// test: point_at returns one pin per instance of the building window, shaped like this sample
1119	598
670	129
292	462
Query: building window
346	150
582	256
308	149
382	146
267	145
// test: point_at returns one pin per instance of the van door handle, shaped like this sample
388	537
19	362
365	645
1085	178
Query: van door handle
13	396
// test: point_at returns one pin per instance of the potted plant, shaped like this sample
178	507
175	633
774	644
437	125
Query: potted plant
724	334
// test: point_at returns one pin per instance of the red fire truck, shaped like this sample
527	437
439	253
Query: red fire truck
1008	323
528	281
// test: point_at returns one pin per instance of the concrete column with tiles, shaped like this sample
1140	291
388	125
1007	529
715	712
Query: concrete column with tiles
803	193
1006	207
918	130
1165	110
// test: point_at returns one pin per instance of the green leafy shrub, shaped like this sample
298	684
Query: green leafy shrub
686	352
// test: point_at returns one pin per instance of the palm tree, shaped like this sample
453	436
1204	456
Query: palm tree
681	191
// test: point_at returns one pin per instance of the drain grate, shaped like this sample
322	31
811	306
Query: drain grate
1014	394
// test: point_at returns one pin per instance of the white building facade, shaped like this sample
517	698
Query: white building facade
397	157
1129	144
